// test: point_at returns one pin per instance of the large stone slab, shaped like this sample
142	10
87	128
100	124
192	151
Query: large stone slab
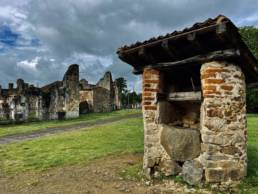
181	144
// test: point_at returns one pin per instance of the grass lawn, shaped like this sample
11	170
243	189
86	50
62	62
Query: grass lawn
72	147
34	126
79	147
250	184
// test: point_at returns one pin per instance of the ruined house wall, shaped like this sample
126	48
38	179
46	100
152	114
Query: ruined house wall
72	97
26	102
223	122
101	100
87	96
35	107
106	82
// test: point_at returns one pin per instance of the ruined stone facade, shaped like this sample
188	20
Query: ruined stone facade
102	97
59	100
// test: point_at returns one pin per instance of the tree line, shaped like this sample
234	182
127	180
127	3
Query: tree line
250	37
129	99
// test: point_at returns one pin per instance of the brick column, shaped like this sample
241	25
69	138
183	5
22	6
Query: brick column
152	80
223	122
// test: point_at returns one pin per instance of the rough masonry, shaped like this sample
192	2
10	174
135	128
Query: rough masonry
59	100
102	97
194	101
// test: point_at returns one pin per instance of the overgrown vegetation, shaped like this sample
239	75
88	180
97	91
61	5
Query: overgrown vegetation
34	126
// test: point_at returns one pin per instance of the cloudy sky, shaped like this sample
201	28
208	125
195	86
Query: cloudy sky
40	38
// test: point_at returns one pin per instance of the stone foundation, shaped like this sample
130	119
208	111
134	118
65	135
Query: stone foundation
206	141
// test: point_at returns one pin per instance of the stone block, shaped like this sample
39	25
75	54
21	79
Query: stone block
192	172
181	144
169	167
215	175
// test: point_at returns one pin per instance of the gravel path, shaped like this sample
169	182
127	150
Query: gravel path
39	133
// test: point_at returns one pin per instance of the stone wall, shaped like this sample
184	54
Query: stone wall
204	140
72	97
223	127
155	157
86	101
102	97
102	100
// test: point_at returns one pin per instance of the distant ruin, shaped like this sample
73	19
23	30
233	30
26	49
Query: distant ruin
194	104
102	97
59	100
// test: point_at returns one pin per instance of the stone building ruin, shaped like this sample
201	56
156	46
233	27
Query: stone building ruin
59	100
102	97
194	85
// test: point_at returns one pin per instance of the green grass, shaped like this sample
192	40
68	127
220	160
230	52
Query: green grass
250	184
133	172
78	147
72	147
34	126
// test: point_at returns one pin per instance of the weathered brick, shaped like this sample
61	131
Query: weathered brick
151	90
214	81
147	107
208	75
208	96
148	81
209	87
207	92
216	70
227	87
151	72
147	94
148	98
147	85
146	102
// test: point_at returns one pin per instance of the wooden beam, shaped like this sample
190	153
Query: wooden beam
216	55
185	96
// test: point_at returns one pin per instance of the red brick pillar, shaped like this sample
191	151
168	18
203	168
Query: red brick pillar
223	122
152	84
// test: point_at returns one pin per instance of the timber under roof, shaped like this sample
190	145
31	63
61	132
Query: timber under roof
213	39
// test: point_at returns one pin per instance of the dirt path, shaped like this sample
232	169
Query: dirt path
39	133
100	176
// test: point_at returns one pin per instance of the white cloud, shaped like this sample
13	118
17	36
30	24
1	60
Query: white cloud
29	65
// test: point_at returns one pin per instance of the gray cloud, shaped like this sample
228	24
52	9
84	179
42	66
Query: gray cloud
88	32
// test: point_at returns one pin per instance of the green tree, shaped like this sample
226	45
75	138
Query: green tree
121	84
250	37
